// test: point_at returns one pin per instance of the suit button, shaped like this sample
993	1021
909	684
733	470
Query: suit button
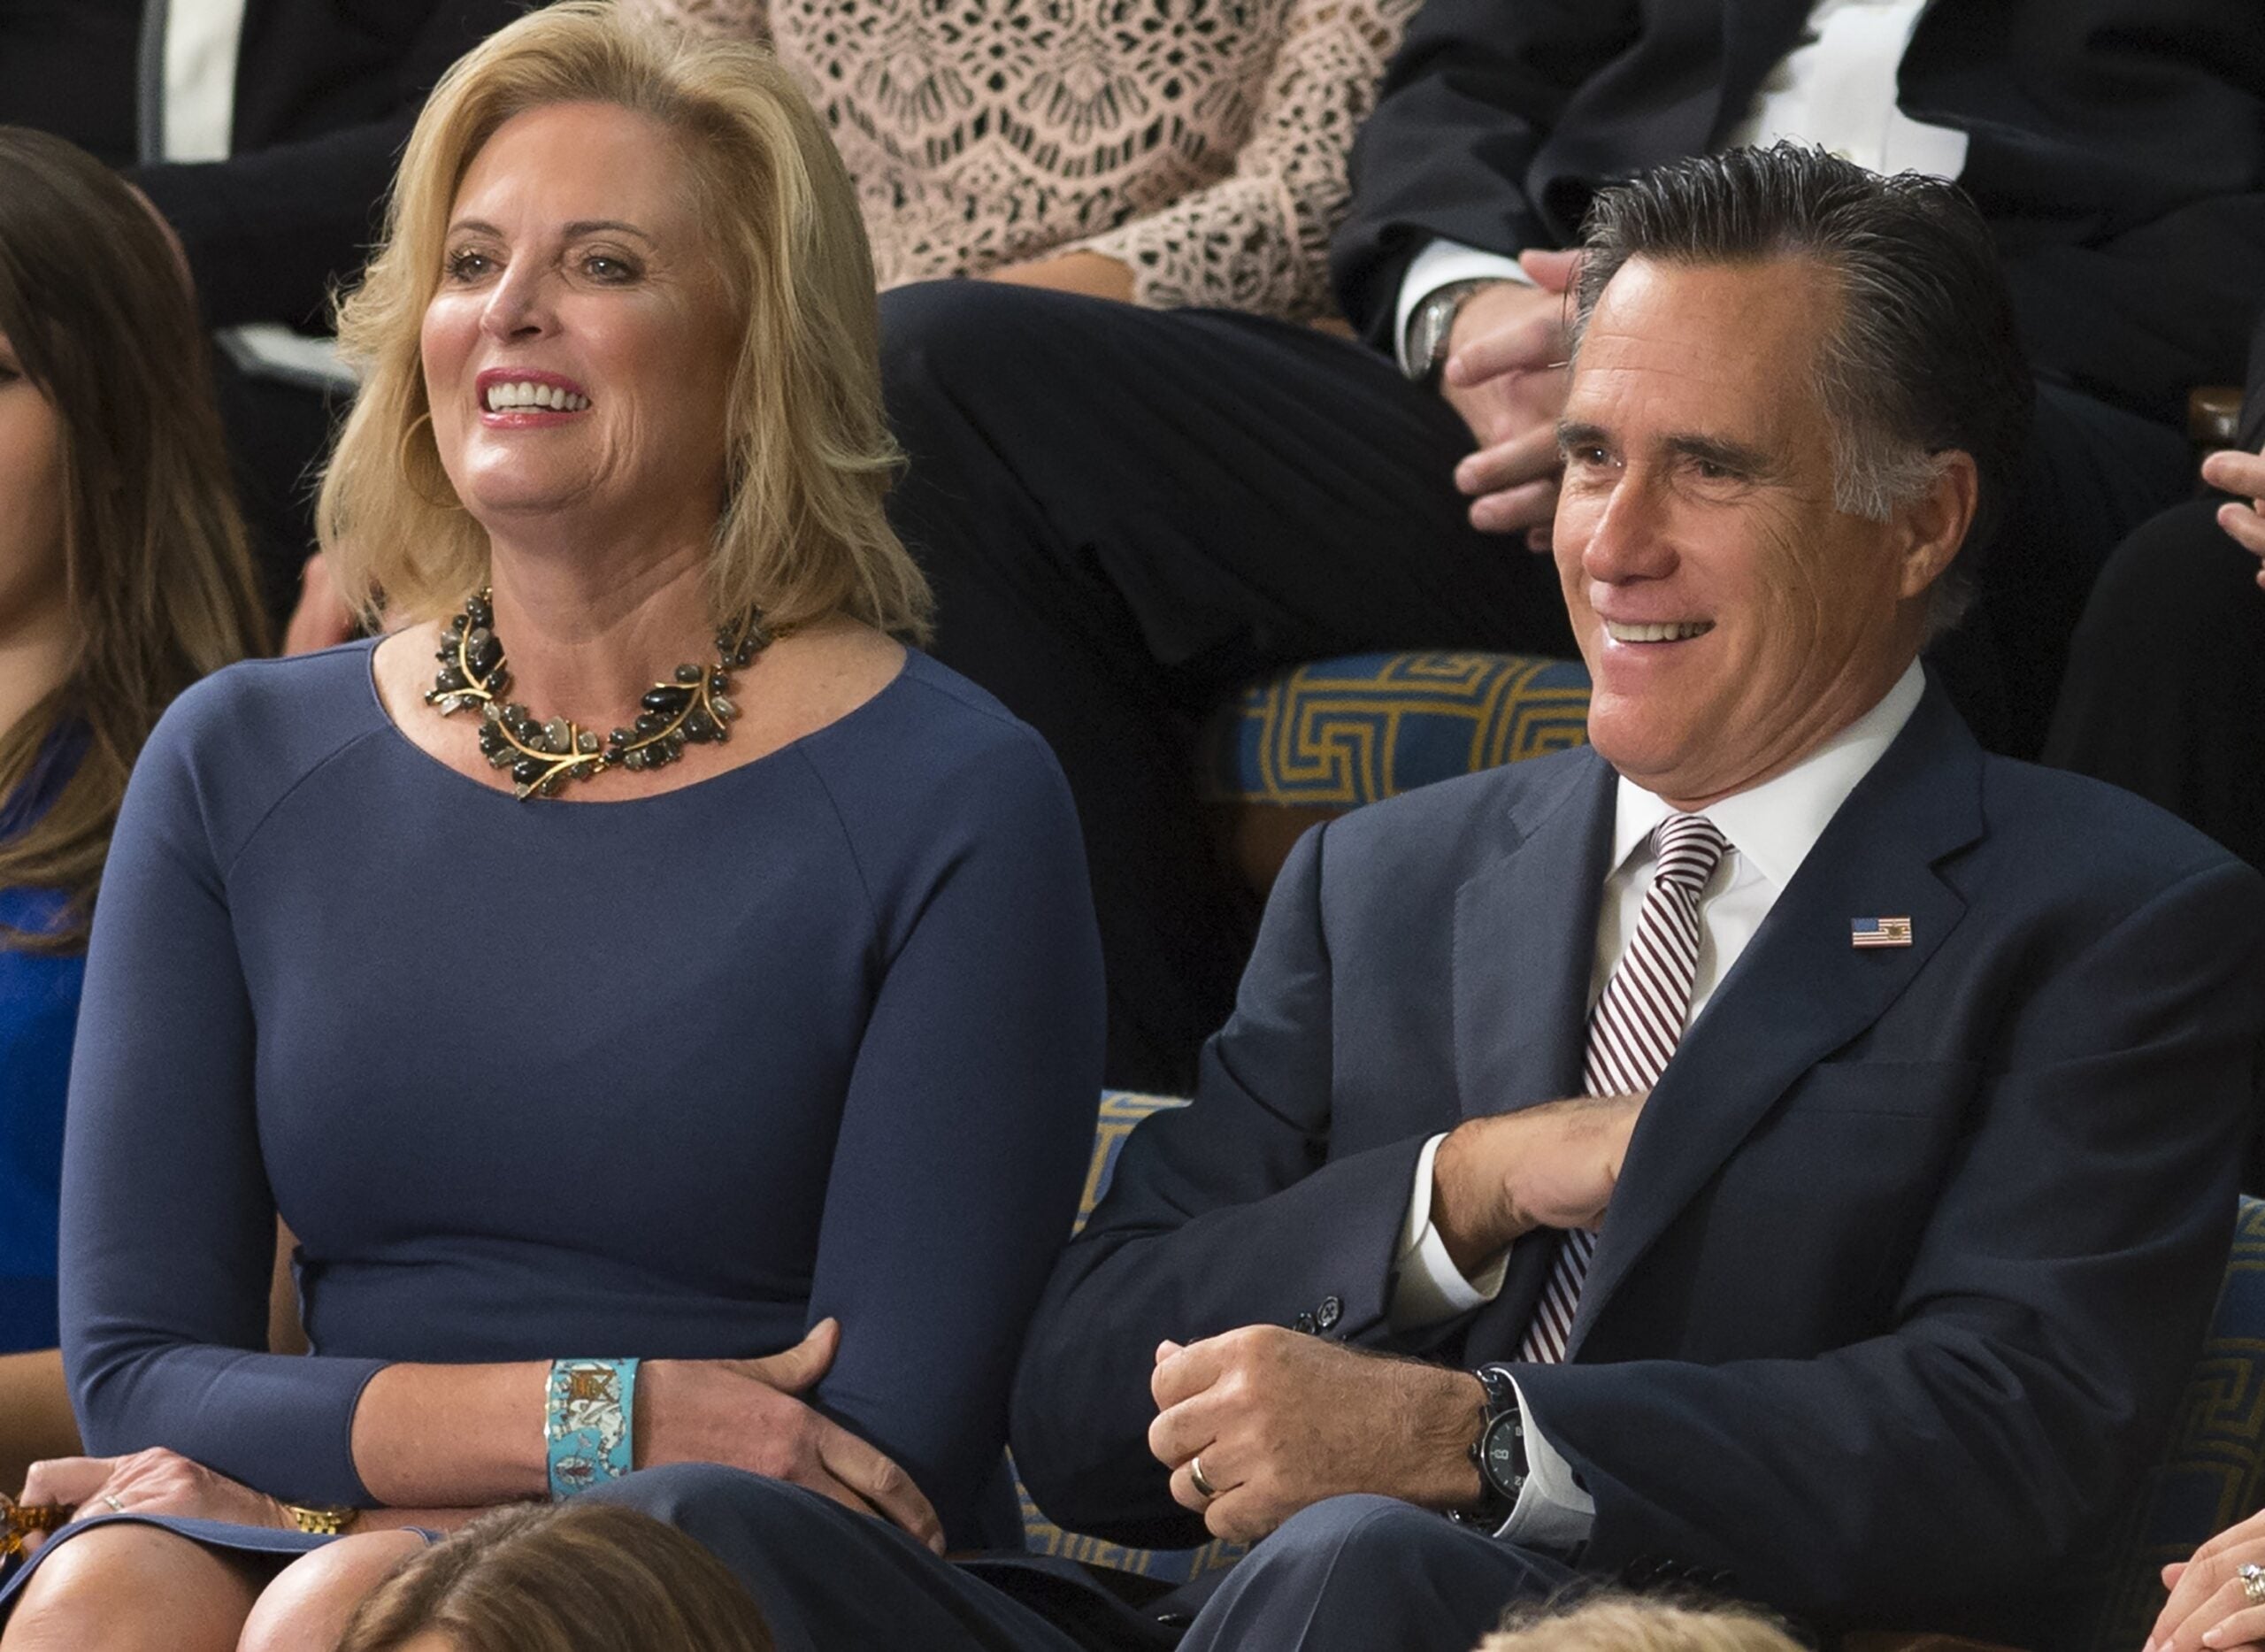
1330	1311
1305	1324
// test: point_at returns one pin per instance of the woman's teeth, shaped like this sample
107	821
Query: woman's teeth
505	398
1674	631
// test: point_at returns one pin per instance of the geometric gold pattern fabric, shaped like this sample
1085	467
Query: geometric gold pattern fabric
1341	732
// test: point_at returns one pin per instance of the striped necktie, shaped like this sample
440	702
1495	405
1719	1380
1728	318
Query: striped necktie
1638	1021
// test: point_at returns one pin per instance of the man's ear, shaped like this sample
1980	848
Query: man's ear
1935	524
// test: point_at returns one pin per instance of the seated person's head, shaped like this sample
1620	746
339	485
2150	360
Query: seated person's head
574	1577
123	570
624	283
1612	1623
1796	388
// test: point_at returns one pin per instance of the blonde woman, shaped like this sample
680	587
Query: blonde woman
123	579
1625	1624
665	1010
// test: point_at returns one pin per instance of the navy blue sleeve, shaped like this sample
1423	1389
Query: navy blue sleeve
970	1118
168	1228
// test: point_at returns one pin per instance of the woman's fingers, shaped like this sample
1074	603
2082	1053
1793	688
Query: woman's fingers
66	1482
797	1370
877	1479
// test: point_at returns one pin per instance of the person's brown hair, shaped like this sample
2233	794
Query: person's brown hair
801	532
96	308
1619	1623
571	1577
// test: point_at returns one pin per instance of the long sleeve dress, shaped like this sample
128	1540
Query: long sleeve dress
1205	145
669	1077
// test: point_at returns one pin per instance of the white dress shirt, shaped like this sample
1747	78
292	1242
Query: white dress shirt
1836	88
1770	830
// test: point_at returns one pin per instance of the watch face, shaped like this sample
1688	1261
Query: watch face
1502	1455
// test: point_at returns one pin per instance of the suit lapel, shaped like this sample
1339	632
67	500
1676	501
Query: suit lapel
1525	939
1799	990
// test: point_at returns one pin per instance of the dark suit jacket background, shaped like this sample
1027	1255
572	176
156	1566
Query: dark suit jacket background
327	92
1913	1248
2132	223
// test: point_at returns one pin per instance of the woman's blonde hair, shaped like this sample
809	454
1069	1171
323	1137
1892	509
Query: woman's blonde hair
1617	1623
809	458
572	1577
97	307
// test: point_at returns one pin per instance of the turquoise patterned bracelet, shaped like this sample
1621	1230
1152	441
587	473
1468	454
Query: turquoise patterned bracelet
588	1407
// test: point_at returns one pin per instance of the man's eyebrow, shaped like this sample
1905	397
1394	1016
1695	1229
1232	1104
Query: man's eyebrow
1735	457
1576	434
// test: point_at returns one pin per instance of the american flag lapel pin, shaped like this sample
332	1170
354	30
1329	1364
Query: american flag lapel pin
1879	931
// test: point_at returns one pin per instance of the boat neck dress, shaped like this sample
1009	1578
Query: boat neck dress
673	1077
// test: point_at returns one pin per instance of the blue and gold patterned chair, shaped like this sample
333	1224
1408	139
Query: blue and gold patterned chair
1322	738
2213	1474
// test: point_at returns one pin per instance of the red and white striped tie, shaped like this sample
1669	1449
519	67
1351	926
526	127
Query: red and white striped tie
1638	1021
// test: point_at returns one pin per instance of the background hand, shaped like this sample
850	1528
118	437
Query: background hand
1506	375
1282	1420
745	1413
1555	1165
2241	473
156	1481
2206	1595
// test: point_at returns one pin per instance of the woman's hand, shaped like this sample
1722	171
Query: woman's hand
2208	1609
2244	522
745	1413
156	1481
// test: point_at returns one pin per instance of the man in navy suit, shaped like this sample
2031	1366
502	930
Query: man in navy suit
1779	1145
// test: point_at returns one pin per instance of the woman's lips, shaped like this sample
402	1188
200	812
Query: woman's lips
528	398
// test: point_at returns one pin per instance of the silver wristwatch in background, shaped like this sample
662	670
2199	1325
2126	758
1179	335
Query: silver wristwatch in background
1431	322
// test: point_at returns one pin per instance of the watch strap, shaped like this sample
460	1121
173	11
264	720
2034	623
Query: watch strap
1432	323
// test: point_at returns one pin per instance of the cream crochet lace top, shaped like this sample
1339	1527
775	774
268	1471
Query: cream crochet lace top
1202	142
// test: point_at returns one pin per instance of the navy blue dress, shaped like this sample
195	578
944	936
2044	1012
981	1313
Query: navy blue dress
670	1077
39	1006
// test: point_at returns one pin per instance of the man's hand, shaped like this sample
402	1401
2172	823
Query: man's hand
2206	1597
1282	1420
156	1481
1505	374
2241	473
745	1413
1555	1165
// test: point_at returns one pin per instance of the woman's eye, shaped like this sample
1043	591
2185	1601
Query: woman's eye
603	266
466	265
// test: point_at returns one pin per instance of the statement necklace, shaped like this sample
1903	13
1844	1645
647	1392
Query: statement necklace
542	756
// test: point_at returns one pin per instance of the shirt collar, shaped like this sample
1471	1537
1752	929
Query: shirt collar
1775	824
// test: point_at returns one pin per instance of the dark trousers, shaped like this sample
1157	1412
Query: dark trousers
1353	1574
1127	513
2165	694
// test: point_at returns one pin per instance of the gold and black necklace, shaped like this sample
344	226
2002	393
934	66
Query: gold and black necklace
542	756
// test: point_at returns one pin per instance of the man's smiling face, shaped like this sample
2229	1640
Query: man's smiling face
1732	617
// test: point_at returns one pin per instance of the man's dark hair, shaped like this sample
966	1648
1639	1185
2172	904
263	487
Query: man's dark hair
1925	357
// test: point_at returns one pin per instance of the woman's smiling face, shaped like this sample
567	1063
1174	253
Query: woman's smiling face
578	350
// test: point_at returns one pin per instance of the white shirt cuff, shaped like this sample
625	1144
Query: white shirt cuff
1431	1288
1439	265
1551	1511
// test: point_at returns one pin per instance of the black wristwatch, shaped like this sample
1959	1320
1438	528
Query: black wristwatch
1499	1453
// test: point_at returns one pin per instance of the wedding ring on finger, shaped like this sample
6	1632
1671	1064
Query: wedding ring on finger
116	1507
1203	1486
2253	1582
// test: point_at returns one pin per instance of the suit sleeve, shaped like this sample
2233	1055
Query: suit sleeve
1476	90
270	232
1228	1212
965	1133
2057	1297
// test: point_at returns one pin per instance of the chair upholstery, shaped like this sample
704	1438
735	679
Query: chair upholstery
2212	1475
1339	732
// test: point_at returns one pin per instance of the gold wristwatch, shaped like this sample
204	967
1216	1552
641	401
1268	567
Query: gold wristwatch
321	1522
